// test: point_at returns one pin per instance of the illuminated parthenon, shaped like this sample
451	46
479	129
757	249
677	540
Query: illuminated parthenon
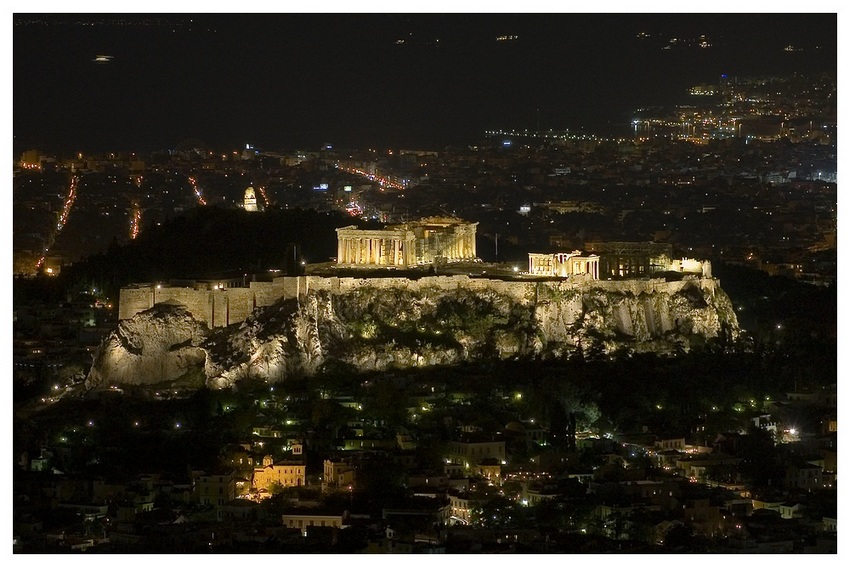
374	247
422	242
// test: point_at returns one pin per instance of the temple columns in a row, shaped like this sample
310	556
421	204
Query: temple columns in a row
462	246
372	251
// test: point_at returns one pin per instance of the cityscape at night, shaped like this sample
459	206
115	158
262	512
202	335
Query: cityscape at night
424	283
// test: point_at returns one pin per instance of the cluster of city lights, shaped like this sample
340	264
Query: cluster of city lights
197	190
63	219
550	134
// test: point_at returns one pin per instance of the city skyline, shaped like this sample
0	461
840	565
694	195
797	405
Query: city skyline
148	81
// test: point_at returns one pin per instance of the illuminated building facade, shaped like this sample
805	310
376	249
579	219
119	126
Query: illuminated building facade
338	474
643	259
631	259
250	201
616	259
427	241
563	264
284	473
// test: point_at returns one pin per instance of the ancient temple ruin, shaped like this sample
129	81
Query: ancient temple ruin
604	260
563	264
426	241
632	259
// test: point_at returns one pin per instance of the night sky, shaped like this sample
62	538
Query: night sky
299	80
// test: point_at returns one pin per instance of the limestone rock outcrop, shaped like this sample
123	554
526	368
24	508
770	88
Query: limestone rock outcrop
397	324
162	344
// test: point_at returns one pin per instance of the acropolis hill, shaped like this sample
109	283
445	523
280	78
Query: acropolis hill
295	325
382	304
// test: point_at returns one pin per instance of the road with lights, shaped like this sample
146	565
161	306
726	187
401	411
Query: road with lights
262	191
197	190
63	219
382	181
135	221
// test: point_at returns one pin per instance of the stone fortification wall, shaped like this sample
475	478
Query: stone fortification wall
236	303
521	291
200	305
266	293
218	308
134	300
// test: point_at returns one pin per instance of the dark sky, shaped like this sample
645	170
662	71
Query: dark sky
287	80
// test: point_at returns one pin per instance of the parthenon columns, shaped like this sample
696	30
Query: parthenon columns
421	242
461	246
372	250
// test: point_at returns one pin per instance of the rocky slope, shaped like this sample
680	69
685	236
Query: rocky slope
376	328
162	344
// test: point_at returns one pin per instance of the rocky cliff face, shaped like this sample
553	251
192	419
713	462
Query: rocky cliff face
654	317
381	327
162	344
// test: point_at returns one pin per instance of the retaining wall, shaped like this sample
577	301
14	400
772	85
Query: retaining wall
222	307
